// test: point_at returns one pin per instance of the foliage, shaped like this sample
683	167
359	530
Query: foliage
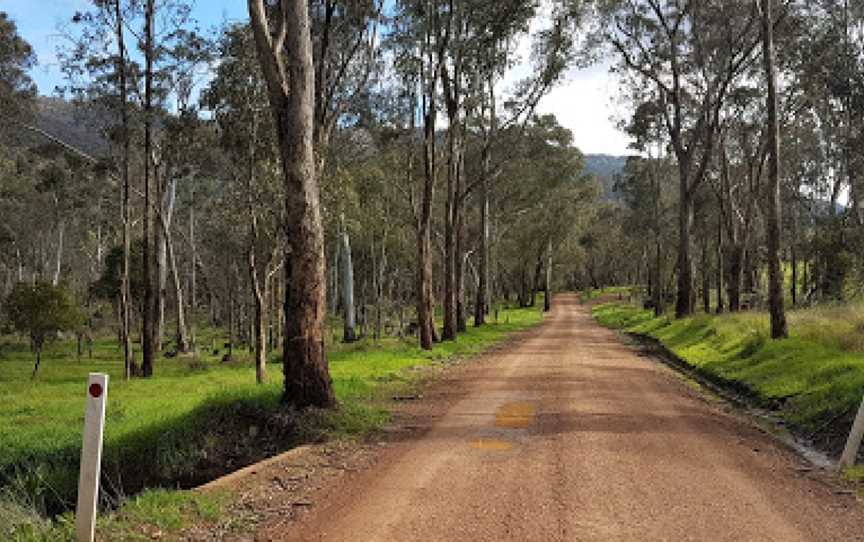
40	311
16	57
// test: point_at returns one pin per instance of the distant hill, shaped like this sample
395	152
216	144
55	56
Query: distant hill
605	168
79	126
75	124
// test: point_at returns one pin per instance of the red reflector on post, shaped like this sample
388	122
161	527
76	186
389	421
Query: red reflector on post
95	390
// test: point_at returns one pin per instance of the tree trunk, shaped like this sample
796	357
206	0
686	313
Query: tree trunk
259	299
38	351
450	256
181	335
125	297
734	280
535	284
706	280
165	216
779	329
481	307
305	367
425	309
61	231
461	263
657	298
547	290
379	288
793	288
720	263
335	267
684	300
347	276
231	318
523	286
147	332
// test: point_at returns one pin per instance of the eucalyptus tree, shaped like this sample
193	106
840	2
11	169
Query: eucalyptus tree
292	103
692	53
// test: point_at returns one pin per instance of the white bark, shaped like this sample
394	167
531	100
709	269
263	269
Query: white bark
347	276
166	212
61	230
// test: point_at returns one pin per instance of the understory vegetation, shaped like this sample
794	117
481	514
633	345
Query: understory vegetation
217	420
813	379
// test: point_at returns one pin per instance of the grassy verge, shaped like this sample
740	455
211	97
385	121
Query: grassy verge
814	379
192	422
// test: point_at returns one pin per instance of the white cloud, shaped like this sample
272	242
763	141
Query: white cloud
586	104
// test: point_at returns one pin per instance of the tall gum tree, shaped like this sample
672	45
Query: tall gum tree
285	56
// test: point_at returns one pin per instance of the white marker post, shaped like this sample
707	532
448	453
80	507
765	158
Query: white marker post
850	452
91	458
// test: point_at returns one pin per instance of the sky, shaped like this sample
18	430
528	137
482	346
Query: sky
584	102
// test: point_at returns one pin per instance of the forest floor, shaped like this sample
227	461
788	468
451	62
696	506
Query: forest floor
565	434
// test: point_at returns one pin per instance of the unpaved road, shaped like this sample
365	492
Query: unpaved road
571	435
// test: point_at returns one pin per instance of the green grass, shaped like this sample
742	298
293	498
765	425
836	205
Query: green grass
815	379
590	294
186	423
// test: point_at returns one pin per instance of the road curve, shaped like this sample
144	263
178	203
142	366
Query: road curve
571	435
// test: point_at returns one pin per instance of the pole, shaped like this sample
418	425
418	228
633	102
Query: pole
850	452
91	458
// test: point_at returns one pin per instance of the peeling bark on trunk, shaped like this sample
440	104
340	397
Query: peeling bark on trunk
290	82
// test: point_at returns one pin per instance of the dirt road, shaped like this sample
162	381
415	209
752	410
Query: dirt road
570	435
